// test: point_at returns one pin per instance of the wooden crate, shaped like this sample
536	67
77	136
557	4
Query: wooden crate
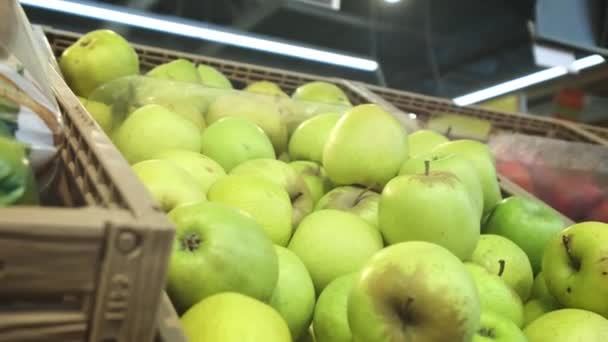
89	265
426	107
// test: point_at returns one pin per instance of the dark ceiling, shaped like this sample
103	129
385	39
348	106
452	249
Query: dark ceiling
437	47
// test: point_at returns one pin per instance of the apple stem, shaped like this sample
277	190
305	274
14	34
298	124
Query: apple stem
361	194
574	261
501	264
427	166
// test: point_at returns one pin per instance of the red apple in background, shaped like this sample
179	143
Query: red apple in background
575	196
599	212
516	172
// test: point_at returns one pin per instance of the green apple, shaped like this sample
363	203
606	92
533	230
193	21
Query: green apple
232	141
314	176
331	312
101	113
233	317
359	201
541	301
499	329
203	169
319	91
308	140
265	87
568	325
169	184
458	165
153	128
413	291
533	309
309	336
179	70
186	110
286	177
330	253
267	202
541	292
529	223
211	237
265	114
371	137
482	159
495	295
294	294
211	77
96	58
433	206
575	267
501	256
423	141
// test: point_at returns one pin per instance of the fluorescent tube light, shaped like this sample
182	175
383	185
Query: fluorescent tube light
161	24
525	81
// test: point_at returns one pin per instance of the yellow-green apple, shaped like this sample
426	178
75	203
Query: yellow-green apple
332	243
541	292
211	237
211	77
482	159
458	165
169	184
529	223
575	267
233	317
540	302
433	206
320	91
503	257
366	147
413	291
232	141
308	140
496	328
495	295
101	113
568	325
96	58
202	168
179	70
263	113
153	128
330	319
294	294
265	87
314	176
359	201
423	141
266	201
284	176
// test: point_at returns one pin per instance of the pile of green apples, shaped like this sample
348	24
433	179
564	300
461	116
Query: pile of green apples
345	227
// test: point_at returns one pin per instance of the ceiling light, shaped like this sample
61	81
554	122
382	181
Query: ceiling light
392	1
162	24
526	81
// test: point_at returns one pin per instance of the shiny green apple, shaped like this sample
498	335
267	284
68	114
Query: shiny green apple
314	176
423	141
180	70
294	294
211	237
233	317
265	201
308	140
211	77
231	141
366	147
332	243
568	325
319	91
331	312
202	168
359	201
413	291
